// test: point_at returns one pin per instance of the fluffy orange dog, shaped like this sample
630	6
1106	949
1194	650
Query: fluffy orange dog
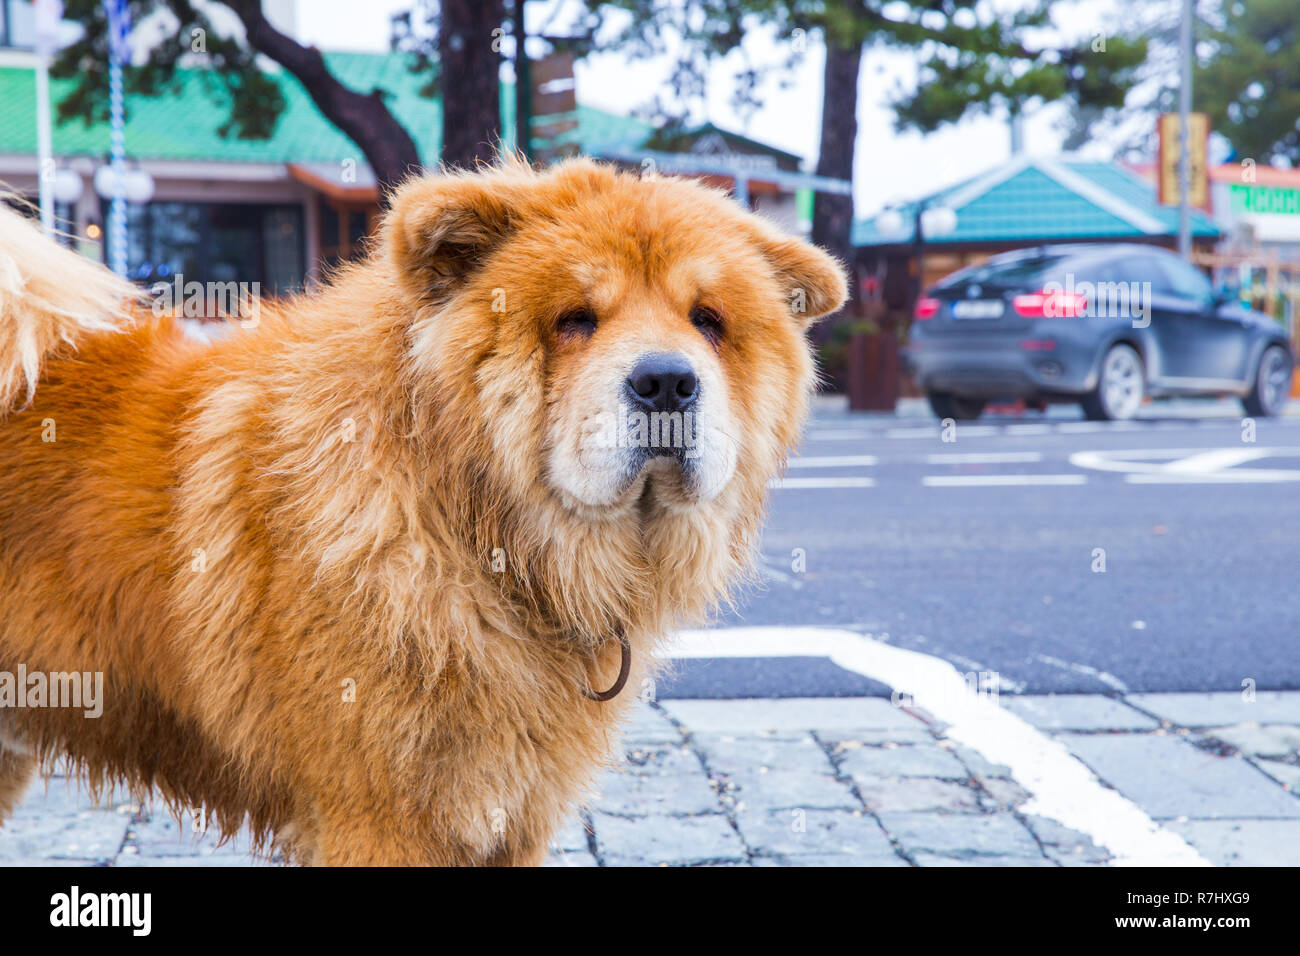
355	576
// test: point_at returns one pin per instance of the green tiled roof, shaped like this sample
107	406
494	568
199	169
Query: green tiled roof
182	125
1032	203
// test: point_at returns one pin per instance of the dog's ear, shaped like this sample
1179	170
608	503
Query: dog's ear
441	228
814	282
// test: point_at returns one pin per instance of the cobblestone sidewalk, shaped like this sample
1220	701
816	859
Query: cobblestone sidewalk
834	782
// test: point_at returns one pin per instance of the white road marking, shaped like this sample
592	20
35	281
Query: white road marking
838	434
1029	429
984	458
1243	476
851	482
1061	787
988	481
1110	680
1079	428
931	431
1168	466
834	461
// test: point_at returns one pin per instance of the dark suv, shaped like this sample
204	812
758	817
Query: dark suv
1101	325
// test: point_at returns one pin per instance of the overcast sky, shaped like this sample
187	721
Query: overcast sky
889	166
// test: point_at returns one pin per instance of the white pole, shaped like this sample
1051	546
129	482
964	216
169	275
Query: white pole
117	50
1184	135
44	148
48	15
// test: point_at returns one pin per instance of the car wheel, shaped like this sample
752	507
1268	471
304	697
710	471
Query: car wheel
1272	385
1121	385
955	407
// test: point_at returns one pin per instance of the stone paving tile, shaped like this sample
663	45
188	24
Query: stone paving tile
905	794
647	724
64	822
912	761
572	837
936	859
783	790
1266	740
1243	842
630	794
674	757
1076	712
961	835
739	755
847	739
795	714
786	833
1168	777
158	834
1284	773
1068	847
639	841
979	765
1002	794
1216	710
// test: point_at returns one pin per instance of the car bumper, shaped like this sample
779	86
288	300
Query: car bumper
1018	366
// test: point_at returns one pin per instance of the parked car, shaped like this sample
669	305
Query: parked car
1101	325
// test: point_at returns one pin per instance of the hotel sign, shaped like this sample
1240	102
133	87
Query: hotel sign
1171	146
1272	200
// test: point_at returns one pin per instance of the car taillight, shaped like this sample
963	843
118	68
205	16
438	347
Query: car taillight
926	308
1056	304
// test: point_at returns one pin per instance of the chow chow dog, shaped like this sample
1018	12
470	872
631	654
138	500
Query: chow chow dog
370	576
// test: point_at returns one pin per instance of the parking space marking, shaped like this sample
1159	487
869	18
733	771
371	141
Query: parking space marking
828	482
984	458
987	481
1061	787
834	461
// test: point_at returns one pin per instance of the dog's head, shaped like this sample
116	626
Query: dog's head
623	347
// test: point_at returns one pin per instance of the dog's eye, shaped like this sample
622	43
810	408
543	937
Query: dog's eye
708	322
577	322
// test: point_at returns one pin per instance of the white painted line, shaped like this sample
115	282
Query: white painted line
838	434
1030	429
930	432
1110	680
1238	476
1190	465
854	482
985	458
834	461
1079	428
990	481
1060	786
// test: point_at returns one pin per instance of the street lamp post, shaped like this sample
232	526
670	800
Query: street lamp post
119	26
48	14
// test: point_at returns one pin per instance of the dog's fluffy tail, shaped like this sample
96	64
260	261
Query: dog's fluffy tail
49	297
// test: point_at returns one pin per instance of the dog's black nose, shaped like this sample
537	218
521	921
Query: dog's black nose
663	383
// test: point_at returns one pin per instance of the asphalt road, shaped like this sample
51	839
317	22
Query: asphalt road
987	551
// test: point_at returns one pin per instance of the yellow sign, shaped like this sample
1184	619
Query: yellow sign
1171	142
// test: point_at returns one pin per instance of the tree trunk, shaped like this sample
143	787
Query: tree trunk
363	117
471	106
832	224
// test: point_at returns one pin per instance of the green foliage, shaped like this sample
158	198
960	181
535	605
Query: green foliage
253	100
971	58
1250	82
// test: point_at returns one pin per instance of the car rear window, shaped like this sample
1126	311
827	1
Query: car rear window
1014	273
